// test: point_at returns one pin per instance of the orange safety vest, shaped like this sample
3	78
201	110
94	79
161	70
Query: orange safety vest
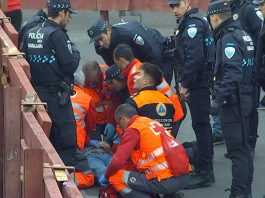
155	105
149	158
105	104
162	87
80	103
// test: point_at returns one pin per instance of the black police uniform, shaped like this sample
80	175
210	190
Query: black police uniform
195	54
53	59
151	103
234	73
251	21
146	43
38	18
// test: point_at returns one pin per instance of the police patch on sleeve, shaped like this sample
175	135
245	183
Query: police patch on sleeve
192	32
229	52
138	40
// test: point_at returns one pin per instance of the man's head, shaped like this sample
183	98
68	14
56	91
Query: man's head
123	55
60	11
261	4
100	32
114	76
149	75
179	7
218	11
123	114
79	78
92	73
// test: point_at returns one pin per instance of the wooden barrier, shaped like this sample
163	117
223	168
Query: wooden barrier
24	143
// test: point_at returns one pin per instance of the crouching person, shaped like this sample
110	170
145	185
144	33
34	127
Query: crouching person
142	144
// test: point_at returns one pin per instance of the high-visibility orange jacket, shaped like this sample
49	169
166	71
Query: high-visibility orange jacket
105	101
151	103
85	114
149	158
133	68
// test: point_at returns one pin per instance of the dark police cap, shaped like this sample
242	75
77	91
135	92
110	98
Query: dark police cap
61	5
217	7
96	28
258	2
173	2
111	73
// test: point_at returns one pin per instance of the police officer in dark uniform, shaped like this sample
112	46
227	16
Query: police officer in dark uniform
251	20
195	54
146	43
53	59
150	102
233	88
36	19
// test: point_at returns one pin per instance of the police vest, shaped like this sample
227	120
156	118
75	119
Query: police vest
247	48
149	158
153	104
44	67
209	46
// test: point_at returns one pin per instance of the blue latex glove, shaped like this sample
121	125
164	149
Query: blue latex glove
94	143
103	182
109	132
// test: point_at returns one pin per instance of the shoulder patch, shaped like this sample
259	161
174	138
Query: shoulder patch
259	14
138	40
69	46
192	31
161	109
229	52
235	16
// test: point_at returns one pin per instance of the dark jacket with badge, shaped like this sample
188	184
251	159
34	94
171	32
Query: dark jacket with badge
195	49
53	58
151	103
145	42
234	61
38	18
249	16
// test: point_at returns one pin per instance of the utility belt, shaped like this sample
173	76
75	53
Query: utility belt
63	90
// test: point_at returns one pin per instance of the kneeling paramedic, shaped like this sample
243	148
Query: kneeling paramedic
141	143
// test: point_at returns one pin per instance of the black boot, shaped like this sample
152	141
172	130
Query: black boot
175	195
199	179
240	194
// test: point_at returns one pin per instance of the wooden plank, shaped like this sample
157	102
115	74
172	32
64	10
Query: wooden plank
1	139
51	188
18	77
33	173
12	119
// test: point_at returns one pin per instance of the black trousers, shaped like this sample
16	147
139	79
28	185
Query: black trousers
140	186
254	118
63	130
235	132
16	18
199	104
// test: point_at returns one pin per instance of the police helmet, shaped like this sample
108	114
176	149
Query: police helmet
96	28
111	73
61	5
217	7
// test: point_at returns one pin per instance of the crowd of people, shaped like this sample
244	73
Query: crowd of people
112	121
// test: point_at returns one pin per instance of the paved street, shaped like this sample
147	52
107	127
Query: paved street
164	22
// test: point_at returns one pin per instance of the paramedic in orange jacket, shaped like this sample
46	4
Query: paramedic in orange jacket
150	102
129	65
141	143
85	117
103	96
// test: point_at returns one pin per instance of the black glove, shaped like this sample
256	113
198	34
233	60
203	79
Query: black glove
214	107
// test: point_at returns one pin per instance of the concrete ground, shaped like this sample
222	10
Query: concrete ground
164	22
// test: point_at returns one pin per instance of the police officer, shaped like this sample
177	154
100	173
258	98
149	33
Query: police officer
251	20
195	54
53	59
233	70
36	19
147	43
